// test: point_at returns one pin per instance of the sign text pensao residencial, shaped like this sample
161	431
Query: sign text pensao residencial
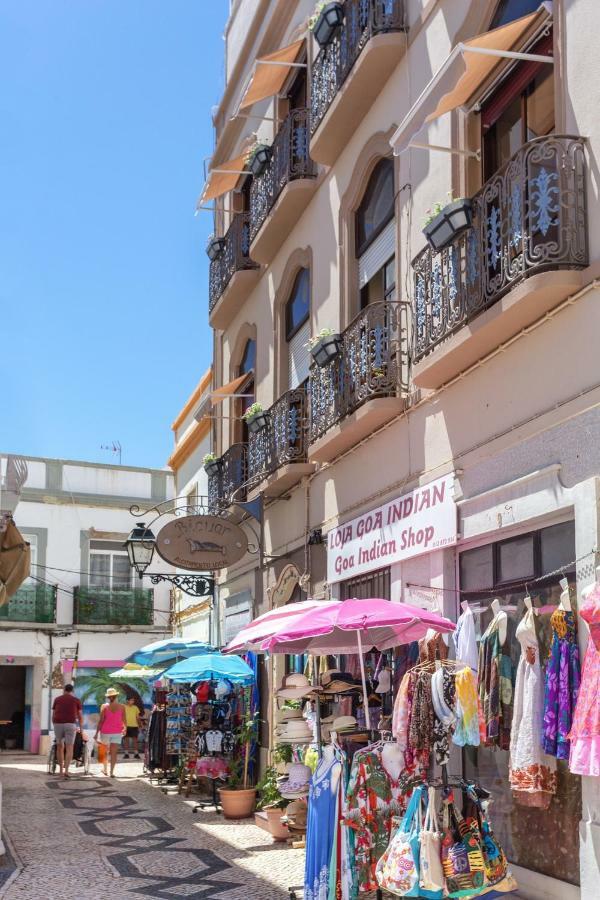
415	523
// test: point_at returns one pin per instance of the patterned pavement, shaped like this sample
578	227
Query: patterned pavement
91	838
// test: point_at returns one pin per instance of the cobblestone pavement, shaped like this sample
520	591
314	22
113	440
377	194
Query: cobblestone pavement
91	838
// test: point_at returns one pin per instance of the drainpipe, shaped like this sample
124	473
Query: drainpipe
51	666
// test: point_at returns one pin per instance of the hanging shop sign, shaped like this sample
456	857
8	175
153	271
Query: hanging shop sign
284	587
201	543
415	523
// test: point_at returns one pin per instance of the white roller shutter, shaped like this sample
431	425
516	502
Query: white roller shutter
299	356
375	256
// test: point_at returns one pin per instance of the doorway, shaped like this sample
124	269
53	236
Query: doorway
12	707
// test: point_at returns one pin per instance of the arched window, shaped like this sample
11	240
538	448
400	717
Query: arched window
297	329
377	206
509	10
247	367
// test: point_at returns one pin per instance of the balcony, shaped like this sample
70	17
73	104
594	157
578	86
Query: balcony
361	388
106	606
229	485
31	603
232	274
349	73
277	454
518	261
281	193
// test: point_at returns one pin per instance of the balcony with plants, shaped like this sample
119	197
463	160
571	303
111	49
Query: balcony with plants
232	271
113	606
31	603
277	446
283	183
227	477
356	382
361	42
497	262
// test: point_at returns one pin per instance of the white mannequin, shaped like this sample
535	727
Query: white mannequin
565	601
502	620
529	605
392	757
464	605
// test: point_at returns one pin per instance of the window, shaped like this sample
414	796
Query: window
509	10
246	367
109	566
36	573
363	587
377	206
297	330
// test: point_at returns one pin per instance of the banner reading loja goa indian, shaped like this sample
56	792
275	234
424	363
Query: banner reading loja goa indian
418	522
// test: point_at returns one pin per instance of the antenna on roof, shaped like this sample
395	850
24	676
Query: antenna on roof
114	447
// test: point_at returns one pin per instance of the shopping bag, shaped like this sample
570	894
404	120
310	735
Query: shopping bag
494	859
430	861
397	871
462	856
101	752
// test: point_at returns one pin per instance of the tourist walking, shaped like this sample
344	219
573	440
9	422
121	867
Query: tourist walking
67	716
133	718
112	725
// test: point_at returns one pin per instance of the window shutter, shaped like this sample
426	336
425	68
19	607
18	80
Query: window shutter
298	356
375	256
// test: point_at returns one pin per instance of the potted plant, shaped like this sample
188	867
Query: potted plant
443	223
325	346
237	799
271	805
256	418
212	465
325	21
257	159
215	247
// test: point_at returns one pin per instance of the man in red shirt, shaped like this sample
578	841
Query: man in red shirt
66	713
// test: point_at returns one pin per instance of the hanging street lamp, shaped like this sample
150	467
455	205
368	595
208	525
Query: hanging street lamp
140	549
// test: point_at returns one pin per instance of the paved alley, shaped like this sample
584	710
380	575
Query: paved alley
93	837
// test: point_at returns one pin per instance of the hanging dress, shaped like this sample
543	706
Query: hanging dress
584	758
495	686
532	774
465	640
562	684
321	827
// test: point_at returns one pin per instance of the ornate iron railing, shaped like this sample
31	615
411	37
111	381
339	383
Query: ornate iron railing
235	257
284	440
31	603
112	606
368	367
529	218
289	161
229	485
362	20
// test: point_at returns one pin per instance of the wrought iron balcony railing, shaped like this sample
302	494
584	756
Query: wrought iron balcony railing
234	258
229	485
284	440
368	367
289	161
113	606
362	20
529	218
31	603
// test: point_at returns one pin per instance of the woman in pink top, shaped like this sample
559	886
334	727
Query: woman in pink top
112	725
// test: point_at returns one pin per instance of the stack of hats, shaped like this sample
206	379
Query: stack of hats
294	687
343	724
335	682
295	817
295	783
295	730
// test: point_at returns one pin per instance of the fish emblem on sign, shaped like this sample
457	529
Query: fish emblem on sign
201	543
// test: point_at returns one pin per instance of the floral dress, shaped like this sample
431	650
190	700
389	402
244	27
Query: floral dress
562	684
495	687
321	827
584	757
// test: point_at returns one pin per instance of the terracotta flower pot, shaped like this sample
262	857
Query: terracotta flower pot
270	820
237	804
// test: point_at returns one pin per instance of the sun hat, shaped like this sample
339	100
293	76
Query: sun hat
295	686
344	723
297	780
336	682
284	715
111	692
296	730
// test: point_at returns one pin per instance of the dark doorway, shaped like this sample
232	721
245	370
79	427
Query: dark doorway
12	706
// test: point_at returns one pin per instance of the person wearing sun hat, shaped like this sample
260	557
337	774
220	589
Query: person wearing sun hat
112	725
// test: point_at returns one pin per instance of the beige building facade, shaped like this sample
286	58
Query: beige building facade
469	367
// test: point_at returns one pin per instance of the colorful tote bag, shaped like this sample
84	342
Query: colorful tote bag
462	856
431	871
494	860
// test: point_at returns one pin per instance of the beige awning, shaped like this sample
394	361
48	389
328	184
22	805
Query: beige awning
469	69
220	394
223	178
15	561
270	73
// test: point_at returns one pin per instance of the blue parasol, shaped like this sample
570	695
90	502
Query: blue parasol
166	650
211	667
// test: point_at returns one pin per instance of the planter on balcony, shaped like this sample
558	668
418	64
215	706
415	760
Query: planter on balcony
448	224
326	349
329	20
212	468
215	248
258	421
259	160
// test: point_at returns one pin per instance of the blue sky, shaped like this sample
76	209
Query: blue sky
105	112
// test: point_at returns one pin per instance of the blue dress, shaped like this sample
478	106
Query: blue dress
321	827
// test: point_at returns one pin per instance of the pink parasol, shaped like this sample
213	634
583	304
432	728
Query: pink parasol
356	625
253	635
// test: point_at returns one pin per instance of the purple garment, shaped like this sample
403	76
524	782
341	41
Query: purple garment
562	684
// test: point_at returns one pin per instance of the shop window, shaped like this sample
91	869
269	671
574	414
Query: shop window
363	587
509	10
109	566
507	569
297	330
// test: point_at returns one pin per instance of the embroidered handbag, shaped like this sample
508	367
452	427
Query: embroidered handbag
494	860
462	857
430	861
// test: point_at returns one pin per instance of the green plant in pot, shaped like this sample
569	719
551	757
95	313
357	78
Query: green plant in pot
237	797
256	418
212	465
271	805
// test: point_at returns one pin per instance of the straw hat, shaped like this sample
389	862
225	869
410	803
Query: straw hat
295	730
336	682
293	687
344	723
297	781
111	692
284	715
